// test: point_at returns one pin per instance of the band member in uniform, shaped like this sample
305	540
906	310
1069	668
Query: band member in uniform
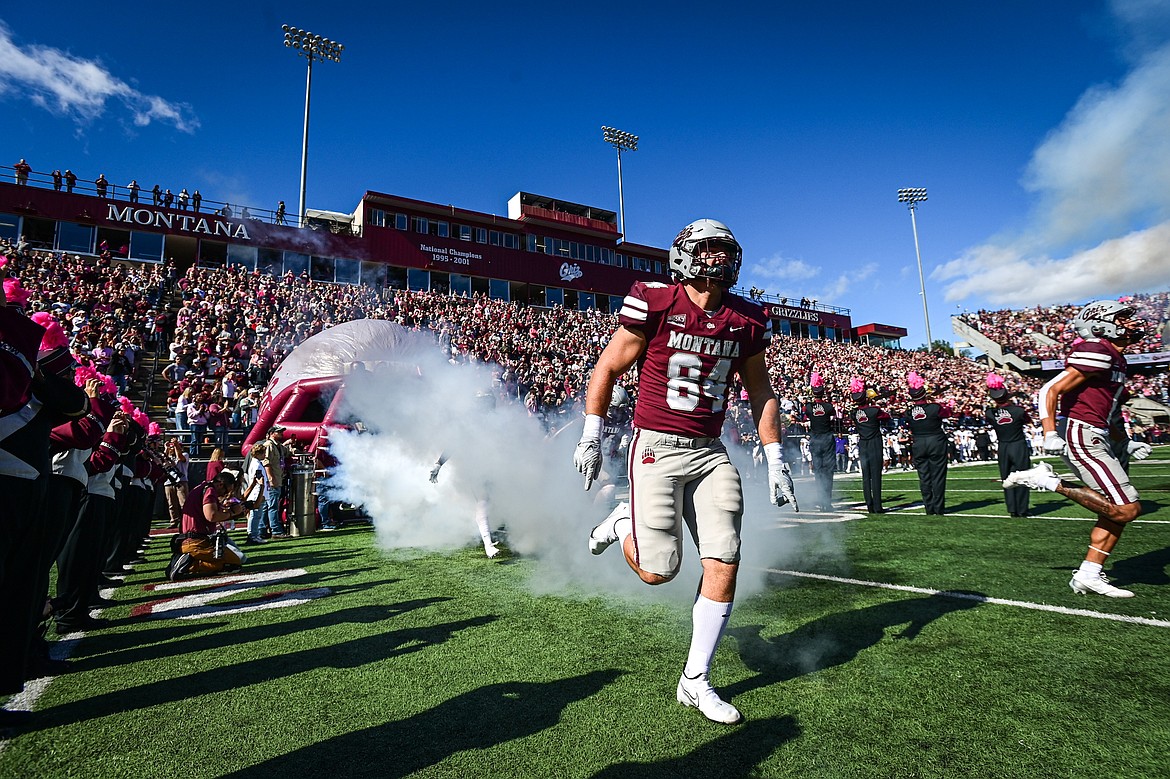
1008	419
1087	394
867	421
925	418
688	339
819	416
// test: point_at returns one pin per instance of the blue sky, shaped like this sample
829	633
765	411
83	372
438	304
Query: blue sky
1039	129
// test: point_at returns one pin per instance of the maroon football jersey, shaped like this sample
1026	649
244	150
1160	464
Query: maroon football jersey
690	356
1104	368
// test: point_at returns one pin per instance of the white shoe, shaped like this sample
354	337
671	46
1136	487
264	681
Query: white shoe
491	550
699	694
1029	478
605	534
1100	586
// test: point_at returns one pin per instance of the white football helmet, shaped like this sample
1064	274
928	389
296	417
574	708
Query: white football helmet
619	403
684	261
1108	319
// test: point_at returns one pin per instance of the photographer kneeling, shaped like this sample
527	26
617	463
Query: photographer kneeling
203	549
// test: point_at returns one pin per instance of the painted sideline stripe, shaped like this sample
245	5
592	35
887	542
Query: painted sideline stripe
1158	623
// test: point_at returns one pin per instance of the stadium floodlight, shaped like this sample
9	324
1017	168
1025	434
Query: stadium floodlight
311	47
912	197
622	141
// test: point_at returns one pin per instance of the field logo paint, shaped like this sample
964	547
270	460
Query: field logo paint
201	603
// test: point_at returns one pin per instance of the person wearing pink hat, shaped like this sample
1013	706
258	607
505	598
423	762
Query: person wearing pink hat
821	417
868	421
1009	419
925	418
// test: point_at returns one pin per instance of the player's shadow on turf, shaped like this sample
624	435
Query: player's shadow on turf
479	719
1046	506
738	753
835	639
1148	568
967	505
109	643
226	639
233	678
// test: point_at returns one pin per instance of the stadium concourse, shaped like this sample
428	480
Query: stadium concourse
190	352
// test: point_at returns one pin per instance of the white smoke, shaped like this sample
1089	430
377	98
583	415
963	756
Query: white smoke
1102	179
414	412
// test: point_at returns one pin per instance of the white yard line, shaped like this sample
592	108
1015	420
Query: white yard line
1159	623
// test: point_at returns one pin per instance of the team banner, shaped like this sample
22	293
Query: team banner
1149	358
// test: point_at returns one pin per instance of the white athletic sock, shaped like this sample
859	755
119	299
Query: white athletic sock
708	619
1089	570
481	521
623	527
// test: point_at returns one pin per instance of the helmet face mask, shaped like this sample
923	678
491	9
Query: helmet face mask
696	243
1108	319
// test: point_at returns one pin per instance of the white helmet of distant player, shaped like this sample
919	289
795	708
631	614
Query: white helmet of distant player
1108	319
619	402
690	243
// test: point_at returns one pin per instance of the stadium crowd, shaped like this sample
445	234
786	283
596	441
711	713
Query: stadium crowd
95	460
1016	330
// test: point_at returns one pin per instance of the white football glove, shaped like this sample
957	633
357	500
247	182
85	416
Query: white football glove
1053	443
587	457
1138	450
780	490
435	472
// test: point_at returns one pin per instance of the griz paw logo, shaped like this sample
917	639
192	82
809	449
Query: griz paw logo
648	456
683	235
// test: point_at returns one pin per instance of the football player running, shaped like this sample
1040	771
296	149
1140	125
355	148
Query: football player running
688	339
1089	393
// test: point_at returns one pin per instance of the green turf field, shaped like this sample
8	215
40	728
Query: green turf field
891	646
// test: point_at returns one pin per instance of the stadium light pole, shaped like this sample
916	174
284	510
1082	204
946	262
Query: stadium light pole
912	197
622	141
312	47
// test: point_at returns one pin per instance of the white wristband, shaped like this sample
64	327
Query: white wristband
592	431
774	453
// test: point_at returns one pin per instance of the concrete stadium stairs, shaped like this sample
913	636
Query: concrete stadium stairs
995	353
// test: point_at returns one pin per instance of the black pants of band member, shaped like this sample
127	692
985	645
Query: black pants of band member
930	460
871	472
1013	456
823	447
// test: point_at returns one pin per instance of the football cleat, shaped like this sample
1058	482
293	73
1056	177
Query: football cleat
699	694
491	550
605	534
1029	478
1083	585
179	566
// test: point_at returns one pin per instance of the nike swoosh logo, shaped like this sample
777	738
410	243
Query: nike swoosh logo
737	329
694	699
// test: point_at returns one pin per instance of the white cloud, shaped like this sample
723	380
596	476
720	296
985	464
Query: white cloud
1007	276
780	269
1108	164
846	282
67	85
1101	225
